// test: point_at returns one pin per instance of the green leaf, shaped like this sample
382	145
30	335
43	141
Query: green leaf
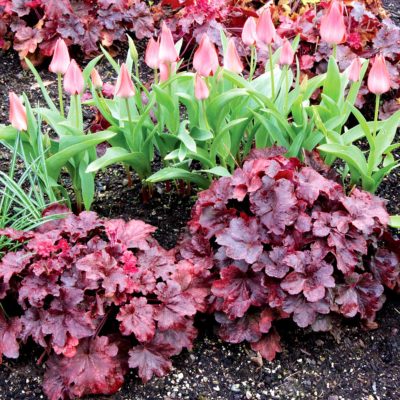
219	171
395	221
185	138
87	185
200	134
171	173
88	69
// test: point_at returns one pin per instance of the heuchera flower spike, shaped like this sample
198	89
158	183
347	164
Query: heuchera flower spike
167	51
151	54
73	79
249	32
378	78
266	32
60	61
124	87
287	53
17	113
205	60
232	60
201	90
333	28
354	70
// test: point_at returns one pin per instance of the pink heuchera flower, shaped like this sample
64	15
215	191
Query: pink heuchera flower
151	54
287	53
354	70
232	60
266	32
378	78
96	79
249	32
333	28
167	51
17	114
60	61
73	79
124	87
201	90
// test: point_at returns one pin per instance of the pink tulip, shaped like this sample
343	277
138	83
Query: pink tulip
266	32
333	28
151	55
249	32
354	70
96	79
378	78
287	53
205	60
201	90
124	87
73	79
166	70
232	60
60	61
167	52
17	113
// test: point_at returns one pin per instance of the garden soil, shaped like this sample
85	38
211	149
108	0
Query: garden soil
352	364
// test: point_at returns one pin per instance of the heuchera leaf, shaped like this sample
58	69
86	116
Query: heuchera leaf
9	332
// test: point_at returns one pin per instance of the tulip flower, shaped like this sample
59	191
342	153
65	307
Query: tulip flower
60	61
205	60
151	54
96	79
354	70
201	90
167	51
73	79
166	70
249	32
333	28
378	78
232	60
124	87
17	113
266	32
287	53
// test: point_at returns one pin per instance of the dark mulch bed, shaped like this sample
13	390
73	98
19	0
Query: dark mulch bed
353	364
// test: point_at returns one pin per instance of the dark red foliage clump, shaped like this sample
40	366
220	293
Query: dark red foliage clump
99	297
287	242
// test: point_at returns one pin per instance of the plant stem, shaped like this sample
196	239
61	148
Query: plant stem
60	94
129	116
253	62
334	48
287	89
137	70
155	76
128	175
271	67
77	110
376	114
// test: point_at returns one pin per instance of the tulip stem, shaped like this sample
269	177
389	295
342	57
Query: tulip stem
155	76
271	67
334	48
60	94
253	62
129	117
287	89
77	110
376	114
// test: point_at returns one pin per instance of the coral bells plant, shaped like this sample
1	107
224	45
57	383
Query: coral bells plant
287	242
102	293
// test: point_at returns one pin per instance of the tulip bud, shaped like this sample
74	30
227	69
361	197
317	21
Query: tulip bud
333	28
96	79
17	113
287	53
124	87
73	79
249	32
133	50
201	90
266	32
354	70
60	61
378	78
205	60
166	71
151	54
232	60
167	52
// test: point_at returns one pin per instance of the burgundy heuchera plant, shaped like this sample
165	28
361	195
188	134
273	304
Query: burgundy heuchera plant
287	242
99	297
